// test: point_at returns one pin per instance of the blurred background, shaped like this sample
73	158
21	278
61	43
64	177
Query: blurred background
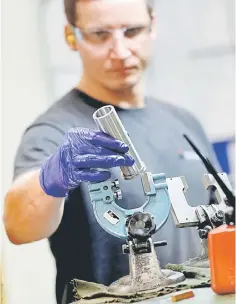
192	66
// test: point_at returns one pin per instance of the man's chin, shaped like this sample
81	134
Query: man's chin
124	84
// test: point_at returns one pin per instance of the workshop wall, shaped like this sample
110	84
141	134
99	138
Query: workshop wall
28	273
193	66
193	58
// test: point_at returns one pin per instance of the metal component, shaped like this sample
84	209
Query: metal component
146	178
116	184
209	181
204	213
160	243
186	216
118	194
218	218
209	217
145	272
183	214
141	225
157	204
108	122
230	216
140	247
125	247
205	217
203	233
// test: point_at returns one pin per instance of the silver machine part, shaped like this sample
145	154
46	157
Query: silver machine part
186	216
108	122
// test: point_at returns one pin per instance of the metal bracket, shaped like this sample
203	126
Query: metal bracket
202	216
186	216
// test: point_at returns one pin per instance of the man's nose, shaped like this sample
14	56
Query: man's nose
119	50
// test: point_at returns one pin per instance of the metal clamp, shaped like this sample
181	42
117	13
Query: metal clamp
186	216
112	218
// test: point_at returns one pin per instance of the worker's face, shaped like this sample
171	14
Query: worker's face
116	41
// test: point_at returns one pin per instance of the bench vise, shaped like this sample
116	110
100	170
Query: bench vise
164	196
135	226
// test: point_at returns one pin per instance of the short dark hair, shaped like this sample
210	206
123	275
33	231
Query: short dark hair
70	9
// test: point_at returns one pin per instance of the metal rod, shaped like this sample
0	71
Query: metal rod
108	122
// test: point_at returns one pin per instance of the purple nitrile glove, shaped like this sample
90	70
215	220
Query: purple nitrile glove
78	158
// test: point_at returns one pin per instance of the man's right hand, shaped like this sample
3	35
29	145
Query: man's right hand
79	157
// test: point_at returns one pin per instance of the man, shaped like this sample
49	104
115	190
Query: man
49	197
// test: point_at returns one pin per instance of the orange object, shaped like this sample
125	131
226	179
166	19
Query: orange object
182	296
221	252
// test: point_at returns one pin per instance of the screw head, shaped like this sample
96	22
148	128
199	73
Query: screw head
119	194
202	233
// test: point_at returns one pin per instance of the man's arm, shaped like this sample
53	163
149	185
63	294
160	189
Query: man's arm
33	205
30	214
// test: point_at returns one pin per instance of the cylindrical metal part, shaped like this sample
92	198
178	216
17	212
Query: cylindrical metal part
109	122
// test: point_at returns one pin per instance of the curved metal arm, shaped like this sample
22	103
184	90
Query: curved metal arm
112	218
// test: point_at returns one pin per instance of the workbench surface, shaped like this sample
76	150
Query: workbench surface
202	296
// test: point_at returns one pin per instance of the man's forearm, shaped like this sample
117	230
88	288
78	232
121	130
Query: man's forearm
30	214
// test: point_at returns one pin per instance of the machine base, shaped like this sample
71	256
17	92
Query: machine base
145	273
126	284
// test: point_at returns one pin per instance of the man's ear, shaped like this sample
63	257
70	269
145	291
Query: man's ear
70	37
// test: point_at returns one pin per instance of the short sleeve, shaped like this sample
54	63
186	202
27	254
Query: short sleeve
38	143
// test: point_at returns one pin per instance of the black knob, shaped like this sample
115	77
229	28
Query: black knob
160	243
202	233
141	225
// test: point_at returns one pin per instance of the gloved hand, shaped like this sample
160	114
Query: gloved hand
79	157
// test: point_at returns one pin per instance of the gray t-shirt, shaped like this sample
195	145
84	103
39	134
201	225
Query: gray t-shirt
82	249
